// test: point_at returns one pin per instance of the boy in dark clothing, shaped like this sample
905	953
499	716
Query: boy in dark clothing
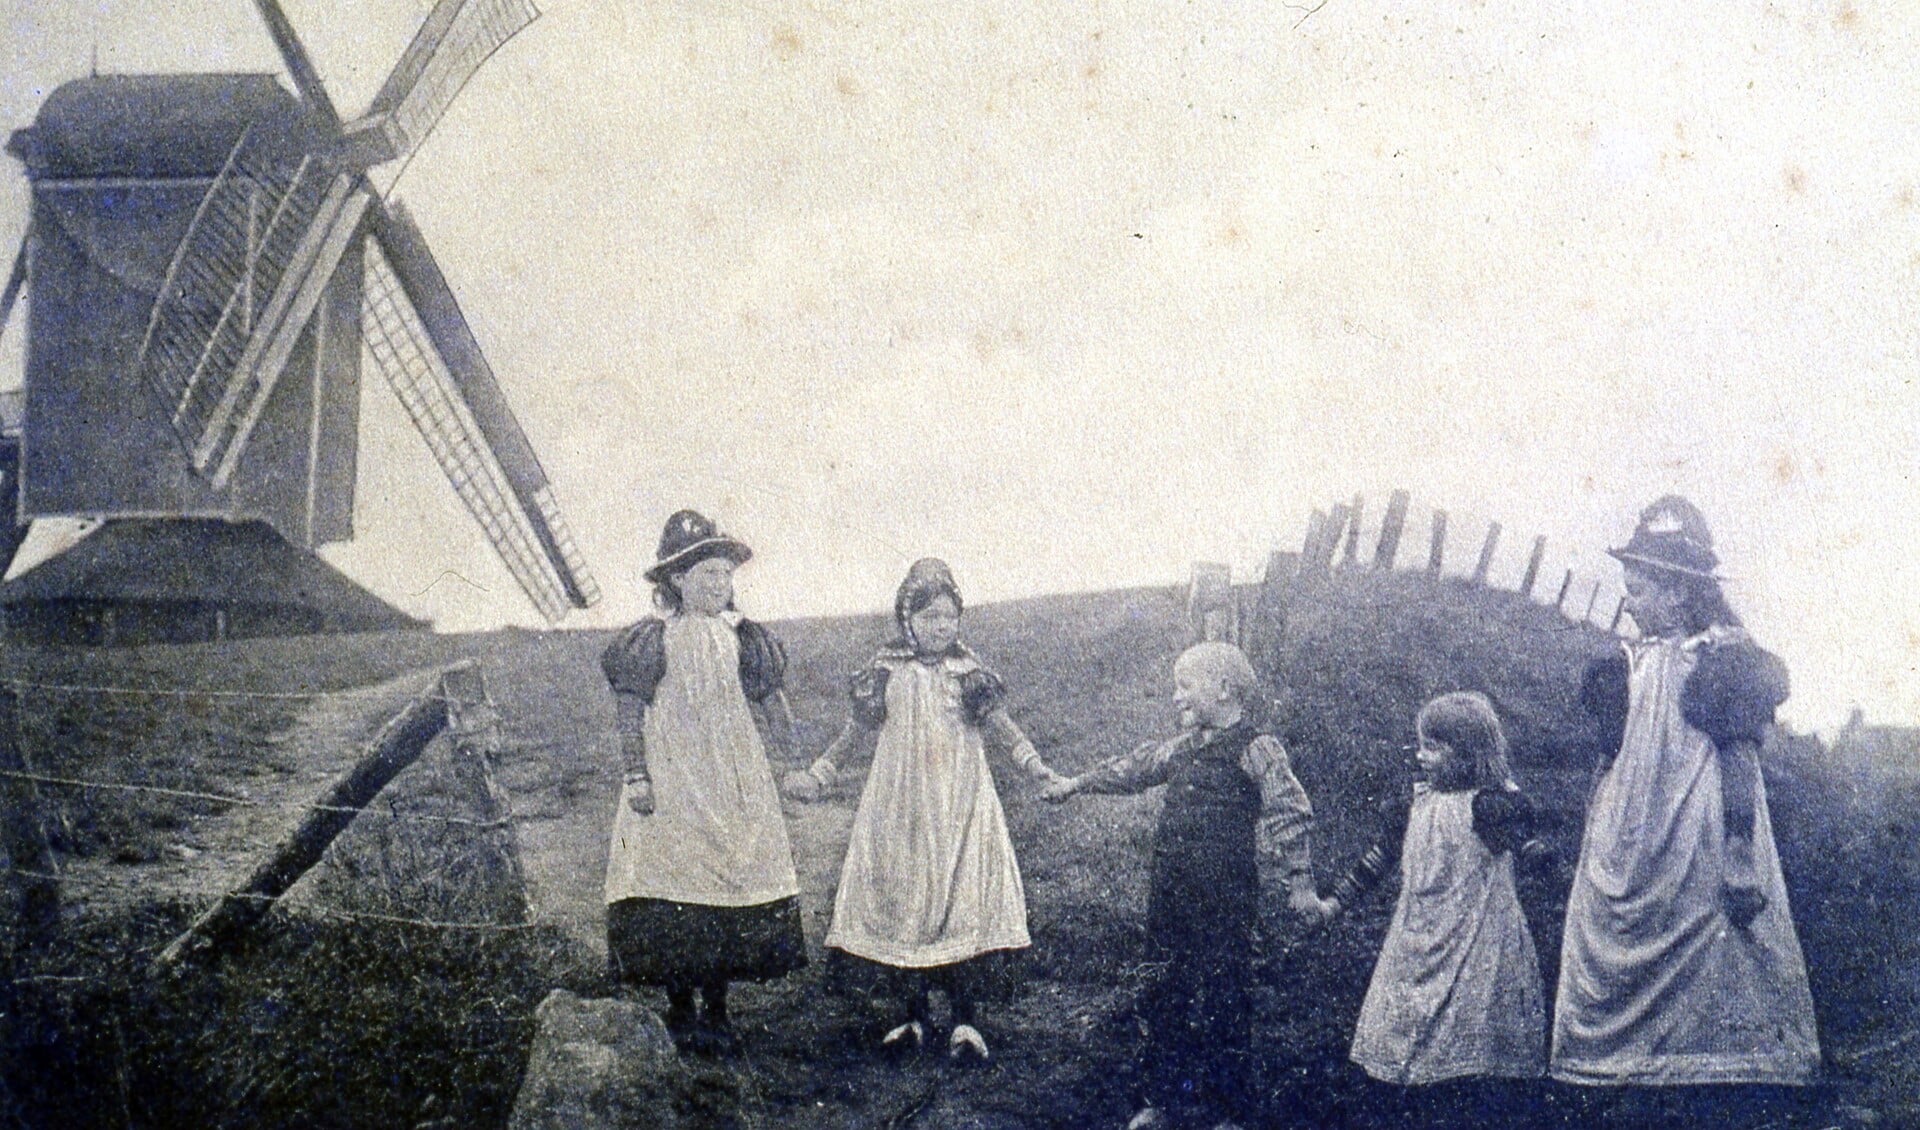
1231	801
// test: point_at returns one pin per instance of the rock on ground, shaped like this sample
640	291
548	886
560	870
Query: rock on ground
597	1065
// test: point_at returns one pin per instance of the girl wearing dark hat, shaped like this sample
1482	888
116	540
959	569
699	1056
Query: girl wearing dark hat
700	887
1680	963
930	888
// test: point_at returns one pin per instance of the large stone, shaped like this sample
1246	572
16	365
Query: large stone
597	1065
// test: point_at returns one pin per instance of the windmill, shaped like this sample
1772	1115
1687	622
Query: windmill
207	262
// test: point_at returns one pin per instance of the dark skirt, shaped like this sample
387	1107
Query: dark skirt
661	942
993	977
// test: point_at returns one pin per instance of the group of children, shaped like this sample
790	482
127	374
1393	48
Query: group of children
701	887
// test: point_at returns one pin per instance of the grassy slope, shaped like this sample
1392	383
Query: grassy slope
1089	677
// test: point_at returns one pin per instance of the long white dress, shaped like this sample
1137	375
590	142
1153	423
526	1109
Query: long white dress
1456	991
930	876
1657	986
716	836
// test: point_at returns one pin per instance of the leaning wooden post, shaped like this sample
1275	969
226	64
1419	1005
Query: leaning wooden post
1592	599
1310	550
1391	526
1351	557
1265	633
397	746
1211	611
25	838
1533	565
1337	520
1566	583
474	725
1437	551
1486	554
1619	610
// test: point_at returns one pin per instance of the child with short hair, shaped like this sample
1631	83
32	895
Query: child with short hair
930	891
1456	992
1232	801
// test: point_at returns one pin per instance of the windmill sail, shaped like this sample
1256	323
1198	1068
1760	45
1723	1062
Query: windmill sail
422	345
457	37
266	239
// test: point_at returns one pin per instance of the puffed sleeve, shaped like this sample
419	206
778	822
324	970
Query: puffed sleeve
763	661
1733	691
981	693
1603	694
636	660
867	691
1503	819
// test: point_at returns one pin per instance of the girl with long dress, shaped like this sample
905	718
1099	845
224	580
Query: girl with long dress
1456	991
700	884
1680	963
930	888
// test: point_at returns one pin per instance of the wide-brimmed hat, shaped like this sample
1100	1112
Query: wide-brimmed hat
1672	535
690	538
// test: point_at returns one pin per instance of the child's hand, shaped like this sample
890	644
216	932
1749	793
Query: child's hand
1059	788
1311	907
640	796
802	785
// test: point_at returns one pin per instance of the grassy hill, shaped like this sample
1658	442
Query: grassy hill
360	1024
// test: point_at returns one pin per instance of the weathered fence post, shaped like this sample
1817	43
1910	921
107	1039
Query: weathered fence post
1212	613
1592	599
1619	610
1566	583
29	856
1391	526
1316	530
474	725
1351	558
1336	529
1533	565
1437	552
1264	633
397	746
1486	553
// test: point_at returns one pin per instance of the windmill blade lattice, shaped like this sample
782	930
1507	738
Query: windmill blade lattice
266	237
403	351
456	39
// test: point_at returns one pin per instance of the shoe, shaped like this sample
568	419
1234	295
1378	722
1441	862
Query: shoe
1150	1118
905	1039
967	1045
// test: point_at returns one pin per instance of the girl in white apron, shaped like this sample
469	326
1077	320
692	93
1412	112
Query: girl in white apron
930	886
1456	993
700	888
1680	963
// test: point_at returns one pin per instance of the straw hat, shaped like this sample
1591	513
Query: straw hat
1672	535
690	538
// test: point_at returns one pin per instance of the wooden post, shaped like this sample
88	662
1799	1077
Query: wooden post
1560	602
1336	526
1619	610
33	883
1533	565
397	746
1486	553
474	726
1592	598
1211	613
1437	552
1351	558
1390	528
1267	629
1316	529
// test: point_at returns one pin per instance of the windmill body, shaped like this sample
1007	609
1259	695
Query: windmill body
119	166
207	265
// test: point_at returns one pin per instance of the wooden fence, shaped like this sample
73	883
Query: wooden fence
1253	616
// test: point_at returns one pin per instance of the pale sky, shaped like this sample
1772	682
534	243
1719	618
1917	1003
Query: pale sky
1074	296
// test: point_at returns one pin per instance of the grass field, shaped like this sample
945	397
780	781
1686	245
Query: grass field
333	1023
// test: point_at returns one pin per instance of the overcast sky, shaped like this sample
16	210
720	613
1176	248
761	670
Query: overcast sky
1075	295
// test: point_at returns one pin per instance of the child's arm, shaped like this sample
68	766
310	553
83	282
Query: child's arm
1285	832
1133	772
867	695
630	722
1382	857
1004	732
